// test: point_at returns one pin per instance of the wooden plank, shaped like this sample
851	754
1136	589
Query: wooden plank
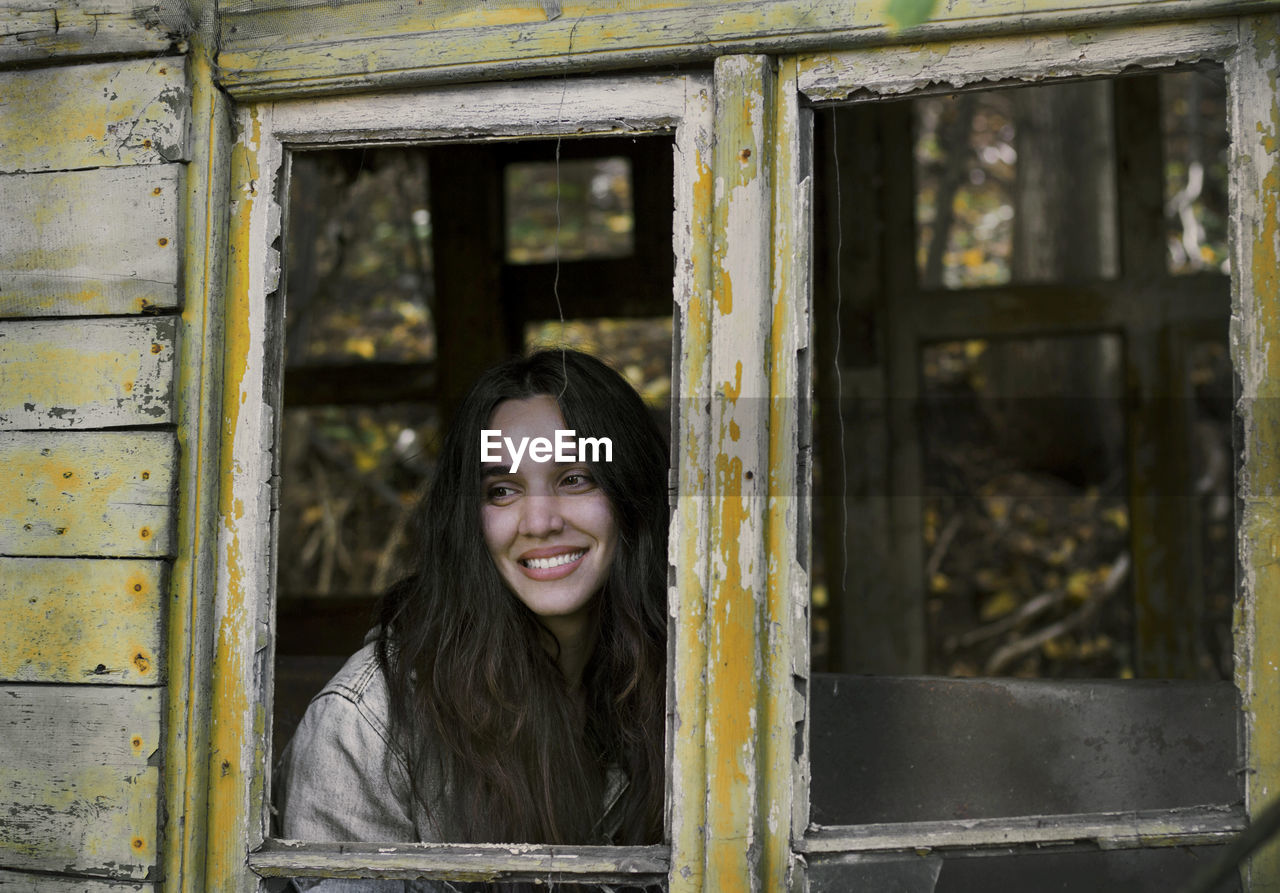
469	861
871	73
1254	120
738	830
81	620
293	46
90	243
199	426
105	114
690	527
84	494
49	883
33	30
77	788
86	373
1109	830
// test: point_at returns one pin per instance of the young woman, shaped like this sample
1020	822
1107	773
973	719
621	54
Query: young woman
515	689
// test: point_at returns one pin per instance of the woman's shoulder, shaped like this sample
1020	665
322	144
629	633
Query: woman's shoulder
358	687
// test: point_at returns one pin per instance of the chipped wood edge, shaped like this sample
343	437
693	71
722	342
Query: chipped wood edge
872	73
1253	80
1191	826
461	861
688	542
786	763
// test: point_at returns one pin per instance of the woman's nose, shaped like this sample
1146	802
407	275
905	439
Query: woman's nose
541	516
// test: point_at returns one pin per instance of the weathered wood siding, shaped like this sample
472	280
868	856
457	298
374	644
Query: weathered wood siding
93	242
91	172
32	30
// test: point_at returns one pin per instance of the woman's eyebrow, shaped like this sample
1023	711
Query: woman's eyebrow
493	471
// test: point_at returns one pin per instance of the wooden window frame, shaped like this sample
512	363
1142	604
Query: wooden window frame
239	852
1248	47
738	774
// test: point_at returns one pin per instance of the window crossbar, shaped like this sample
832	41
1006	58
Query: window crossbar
1189	826
463	862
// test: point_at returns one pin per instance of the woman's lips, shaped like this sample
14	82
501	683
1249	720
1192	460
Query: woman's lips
550	564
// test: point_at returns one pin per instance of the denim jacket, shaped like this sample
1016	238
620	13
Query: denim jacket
342	779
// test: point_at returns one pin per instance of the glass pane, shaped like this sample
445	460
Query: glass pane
568	209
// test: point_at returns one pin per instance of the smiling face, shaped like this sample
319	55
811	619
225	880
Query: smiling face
549	528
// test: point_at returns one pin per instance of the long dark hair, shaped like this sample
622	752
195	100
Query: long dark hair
497	747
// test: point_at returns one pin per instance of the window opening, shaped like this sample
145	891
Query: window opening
1028	482
396	289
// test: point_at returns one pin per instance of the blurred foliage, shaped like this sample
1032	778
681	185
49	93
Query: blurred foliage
574	209
1001	538
359	284
966	172
640	349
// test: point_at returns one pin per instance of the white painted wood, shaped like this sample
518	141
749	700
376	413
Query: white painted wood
865	74
495	861
489	111
25	882
34	30
95	373
99	115
86	493
77	791
81	620
90	243
1109	830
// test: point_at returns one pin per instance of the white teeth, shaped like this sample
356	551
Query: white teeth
555	561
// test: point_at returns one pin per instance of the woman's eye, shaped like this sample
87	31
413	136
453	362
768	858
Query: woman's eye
500	493
577	480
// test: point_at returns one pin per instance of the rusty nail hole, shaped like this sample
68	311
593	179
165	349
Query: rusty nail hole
744	155
146	475
136	741
140	661
66	474
138	843
146	144
226	767
156	348
46	452
156	191
163	242
750	475
164	71
26	526
61	530
144	532
100	669
137	587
